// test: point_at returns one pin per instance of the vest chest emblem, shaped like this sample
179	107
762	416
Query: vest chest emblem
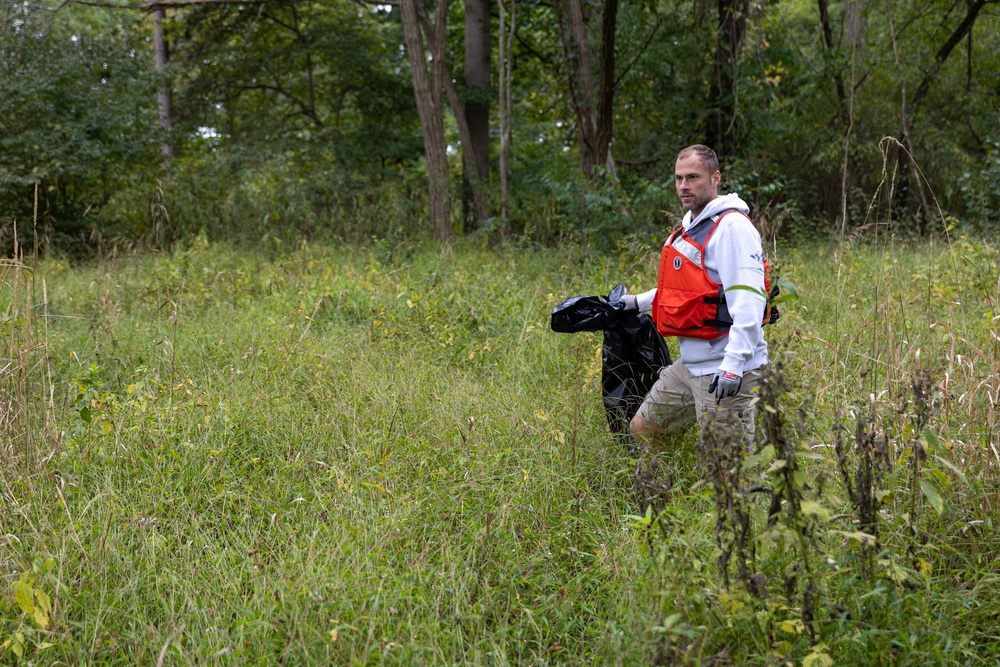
677	263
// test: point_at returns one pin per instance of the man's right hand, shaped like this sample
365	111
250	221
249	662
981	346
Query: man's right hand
631	302
622	301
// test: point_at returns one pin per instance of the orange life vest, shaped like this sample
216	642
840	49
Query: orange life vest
687	302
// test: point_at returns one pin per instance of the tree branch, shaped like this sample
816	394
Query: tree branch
170	4
960	32
530	49
638	55
918	14
435	37
307	111
274	19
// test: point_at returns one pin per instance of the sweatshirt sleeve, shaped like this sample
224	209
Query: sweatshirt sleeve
739	262
645	300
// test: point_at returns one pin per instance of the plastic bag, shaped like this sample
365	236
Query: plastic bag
631	357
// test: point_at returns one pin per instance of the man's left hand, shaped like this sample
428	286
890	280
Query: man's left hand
725	384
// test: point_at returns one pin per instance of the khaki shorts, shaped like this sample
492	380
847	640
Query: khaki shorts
679	399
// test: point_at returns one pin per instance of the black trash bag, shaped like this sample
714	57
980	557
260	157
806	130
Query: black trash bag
632	355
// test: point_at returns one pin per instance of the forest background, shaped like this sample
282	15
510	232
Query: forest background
276	120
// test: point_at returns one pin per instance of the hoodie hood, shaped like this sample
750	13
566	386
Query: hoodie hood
716	206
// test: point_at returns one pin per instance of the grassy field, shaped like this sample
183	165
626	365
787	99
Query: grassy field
382	455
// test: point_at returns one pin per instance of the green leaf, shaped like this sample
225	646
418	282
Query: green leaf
864	538
930	439
791	626
44	603
953	468
894	571
813	508
786	286
748	288
41	618
907	432
818	658
932	495
24	594
763	457
938	477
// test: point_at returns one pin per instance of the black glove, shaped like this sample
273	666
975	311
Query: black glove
725	384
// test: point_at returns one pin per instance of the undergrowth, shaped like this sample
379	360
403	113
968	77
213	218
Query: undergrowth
381	455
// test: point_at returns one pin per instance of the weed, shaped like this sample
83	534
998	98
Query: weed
32	631
380	455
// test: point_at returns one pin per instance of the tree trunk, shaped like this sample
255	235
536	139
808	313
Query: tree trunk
723	132
853	19
605	102
903	188
469	154
593	113
427	91
163	95
476	154
829	47
505	63
478	49
905	166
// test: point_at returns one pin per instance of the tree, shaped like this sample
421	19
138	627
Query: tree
78	117
427	87
722	132
592	103
478	51
291	115
909	110
164	94
505	60
303	113
963	29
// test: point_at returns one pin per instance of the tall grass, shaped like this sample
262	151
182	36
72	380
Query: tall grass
22	364
381	455
12	411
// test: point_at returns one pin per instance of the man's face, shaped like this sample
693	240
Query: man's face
696	186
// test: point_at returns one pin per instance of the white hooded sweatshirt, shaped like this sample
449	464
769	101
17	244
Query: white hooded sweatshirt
733	257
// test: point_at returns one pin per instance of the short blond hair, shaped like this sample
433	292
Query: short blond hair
703	153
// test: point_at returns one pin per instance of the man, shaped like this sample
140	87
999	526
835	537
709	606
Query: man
711	295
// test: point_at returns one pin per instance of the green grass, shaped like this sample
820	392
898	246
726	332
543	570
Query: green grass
381	455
